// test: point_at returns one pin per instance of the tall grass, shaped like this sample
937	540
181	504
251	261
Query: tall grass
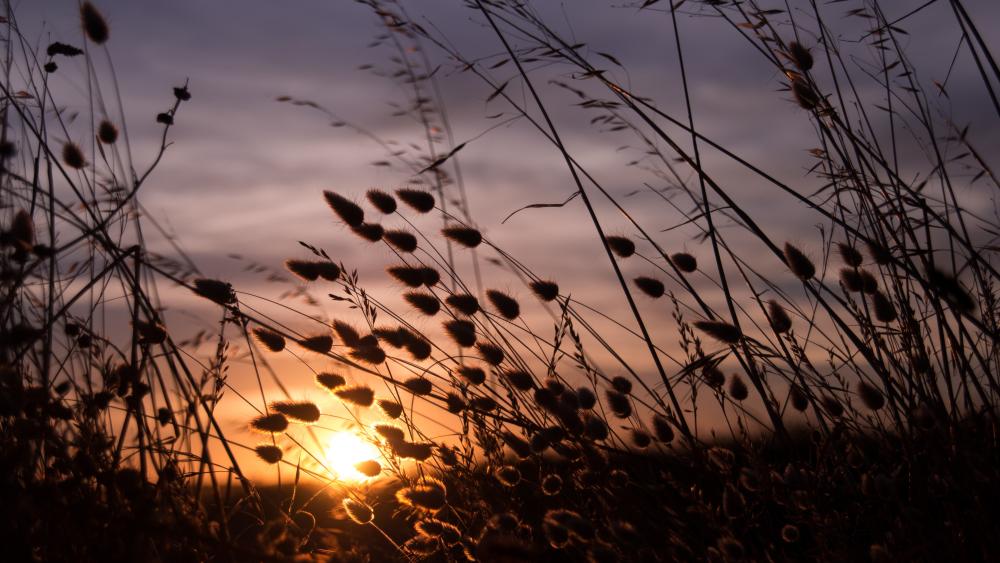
830	399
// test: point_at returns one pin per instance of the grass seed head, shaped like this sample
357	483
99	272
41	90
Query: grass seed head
268	339
506	305
462	332
73	156
358	511
465	236
360	395
348	211
382	201
401	240
300	411
107	133
268	453
466	304
274	422
621	246
391	409
684	262
424	302
799	263
94	25
419	200
721	331
330	381
650	286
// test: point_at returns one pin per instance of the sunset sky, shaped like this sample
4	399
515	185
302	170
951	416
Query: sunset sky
245	173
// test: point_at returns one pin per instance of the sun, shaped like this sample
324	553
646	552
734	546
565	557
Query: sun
344	450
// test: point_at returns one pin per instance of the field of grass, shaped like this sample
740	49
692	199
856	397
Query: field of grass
829	398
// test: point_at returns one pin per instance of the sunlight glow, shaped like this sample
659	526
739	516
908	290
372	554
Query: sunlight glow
344	449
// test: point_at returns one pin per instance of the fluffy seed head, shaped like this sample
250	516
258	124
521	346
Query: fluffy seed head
466	236
621	384
650	286
466	304
491	353
423	302
885	311
369	354
22	230
419	200
737	388
301	411
320	344
348	211
408	275
431	496
684	262
107	133
330	381
382	201
419	348
520	380
420	451
780	321
619	403
869	284
270	340
401	240
359	395
798	398
586	398
545	290
94	24
805	95
391	434
73	156
268	453
870	396
473	375
622	246
215	290
372	232
880	254
594	427
391	409
418	386
483	404
517	444
360	512
455	404
851	279
721	331
347	334
304	269
662	428
951	289
462	332
799	263
504	304
274	422
800	56
639	438
849	255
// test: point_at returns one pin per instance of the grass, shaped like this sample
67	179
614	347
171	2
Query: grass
827	399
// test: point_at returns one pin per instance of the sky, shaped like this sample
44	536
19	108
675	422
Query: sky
244	173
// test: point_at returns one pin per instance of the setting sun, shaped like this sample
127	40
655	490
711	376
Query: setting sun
344	450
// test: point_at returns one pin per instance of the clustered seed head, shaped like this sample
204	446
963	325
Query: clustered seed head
491	353
358	511
466	304
870	396
348	211
372	232
274	422
268	453
473	375
391	409
466	236
330	381
73	156
462	332
737	388
622	246
684	262
800	56
419	200
850	255
799	263
359	395
780	321
321	343
545	290
382	201
404	241
418	386
719	330
107	133
423	302
270	340
300	411
94	24
309	270
518	379
506	305
650	286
